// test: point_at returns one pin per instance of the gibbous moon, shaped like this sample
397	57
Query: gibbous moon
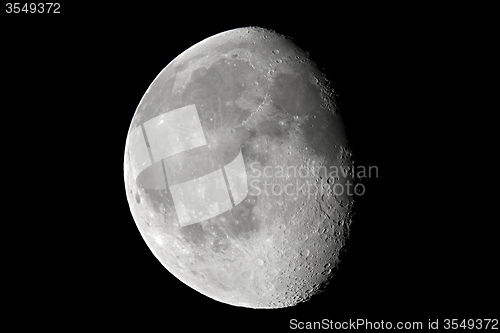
232	170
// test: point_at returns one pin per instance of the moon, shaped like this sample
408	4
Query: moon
234	170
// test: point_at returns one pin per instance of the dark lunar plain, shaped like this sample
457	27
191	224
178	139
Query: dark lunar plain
415	253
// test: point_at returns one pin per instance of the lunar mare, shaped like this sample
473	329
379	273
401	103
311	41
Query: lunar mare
204	170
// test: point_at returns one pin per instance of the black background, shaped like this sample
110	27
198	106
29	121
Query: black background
419	248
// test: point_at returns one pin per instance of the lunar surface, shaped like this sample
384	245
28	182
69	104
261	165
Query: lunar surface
233	170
